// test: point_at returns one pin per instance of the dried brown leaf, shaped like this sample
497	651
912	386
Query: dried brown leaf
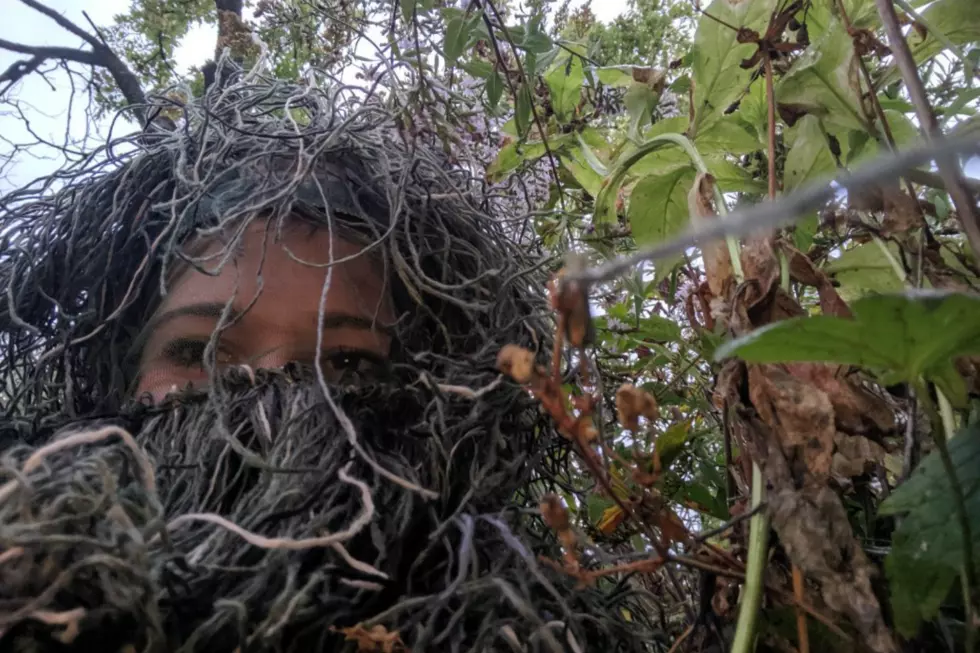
902	213
855	456
760	267
813	527
633	403
858	410
800	415
377	639
802	270
517	363
717	262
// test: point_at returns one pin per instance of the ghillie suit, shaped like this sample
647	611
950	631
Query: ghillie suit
275	512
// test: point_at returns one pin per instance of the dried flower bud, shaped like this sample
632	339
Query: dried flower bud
554	513
631	403
517	363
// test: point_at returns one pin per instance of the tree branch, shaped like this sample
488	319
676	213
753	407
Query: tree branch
950	172
100	55
62	21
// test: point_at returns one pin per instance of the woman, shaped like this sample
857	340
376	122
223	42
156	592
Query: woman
251	401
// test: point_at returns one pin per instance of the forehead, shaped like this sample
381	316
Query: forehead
291	261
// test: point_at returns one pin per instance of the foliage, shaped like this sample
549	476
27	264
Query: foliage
605	133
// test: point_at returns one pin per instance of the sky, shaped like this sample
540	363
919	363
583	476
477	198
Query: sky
47	108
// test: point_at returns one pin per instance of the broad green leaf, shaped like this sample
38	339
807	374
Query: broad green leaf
824	81
479	69
408	9
511	156
754	111
927	549
640	101
574	160
667	158
616	76
958	20
733	178
658	206
495	88
903	131
456	37
804	231
908	336
726	136
718	76
659	329
865	269
809	159
565	86
703	497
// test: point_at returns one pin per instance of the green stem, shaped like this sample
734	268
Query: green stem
943	429
896	265
748	611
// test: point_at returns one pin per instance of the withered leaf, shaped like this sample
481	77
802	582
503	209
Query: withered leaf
717	261
800	415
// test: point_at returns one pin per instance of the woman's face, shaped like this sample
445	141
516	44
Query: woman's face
274	311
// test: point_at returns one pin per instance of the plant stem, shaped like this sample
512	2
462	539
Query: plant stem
942	430
968	67
949	168
748	611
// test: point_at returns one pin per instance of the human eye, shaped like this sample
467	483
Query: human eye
350	365
184	352
189	353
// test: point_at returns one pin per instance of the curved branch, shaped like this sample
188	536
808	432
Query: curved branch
100	55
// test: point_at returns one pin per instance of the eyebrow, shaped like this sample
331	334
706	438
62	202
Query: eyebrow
216	309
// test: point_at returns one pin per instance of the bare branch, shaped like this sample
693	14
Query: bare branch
100	55
62	21
950	172
787	209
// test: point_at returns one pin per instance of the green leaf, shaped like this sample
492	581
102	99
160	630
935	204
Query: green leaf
824	81
659	329
511	156
726	136
495	88
408	9
455	41
479	69
804	231
958	20
565	86
809	159
597	505
575	161
895	333
658	206
864	269
963	98
733	178
927	548
640	101
523	110
670	443
718	76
